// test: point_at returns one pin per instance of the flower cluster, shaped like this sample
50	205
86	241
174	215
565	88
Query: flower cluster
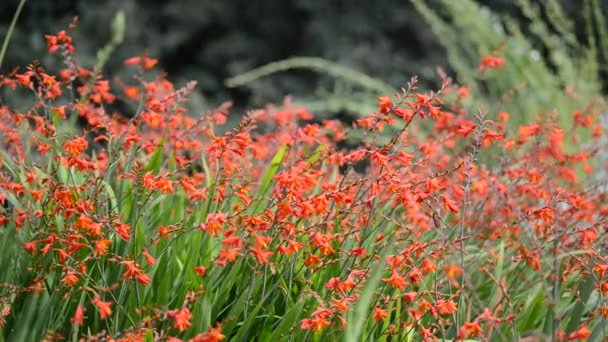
442	223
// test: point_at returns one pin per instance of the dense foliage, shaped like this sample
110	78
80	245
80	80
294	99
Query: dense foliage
157	225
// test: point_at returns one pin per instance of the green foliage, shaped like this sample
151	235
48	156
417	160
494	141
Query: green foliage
547	68
543	58
118	36
297	186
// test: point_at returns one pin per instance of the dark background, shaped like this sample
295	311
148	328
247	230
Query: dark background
209	41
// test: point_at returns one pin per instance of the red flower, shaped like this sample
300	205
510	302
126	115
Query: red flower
581	334
181	318
469	329
385	104
449	203
144	61
104	308
213	335
70	279
78	315
123	229
463	92
319	320
491	62
396	280
76	146
149	258
380	314
201	270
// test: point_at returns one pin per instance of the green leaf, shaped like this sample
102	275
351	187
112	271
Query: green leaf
157	158
9	33
358	316
270	173
111	196
118	27
585	289
289	321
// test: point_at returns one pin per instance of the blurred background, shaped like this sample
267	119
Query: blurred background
210	41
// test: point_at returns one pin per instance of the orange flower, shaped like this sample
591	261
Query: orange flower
261	255
101	246
123	230
449	204
604	311
491	62
410	296
144	61
600	269
581	334
318	321
30	247
70	279
164	185
396	281
380	314
132	93
340	305
227	255
503	116
466	127
603	287
415	275
149	258
132	270
214	222
490	137
445	307
143	279
104	308
469	329
428	266
529	131
25	80
312	261
75	146
78	315
201	270
213	335
463	92
86	223
385	104
181	319
452	272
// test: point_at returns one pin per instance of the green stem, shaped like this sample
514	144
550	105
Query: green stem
9	33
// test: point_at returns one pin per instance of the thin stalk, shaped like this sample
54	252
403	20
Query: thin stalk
9	33
465	198
556	276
